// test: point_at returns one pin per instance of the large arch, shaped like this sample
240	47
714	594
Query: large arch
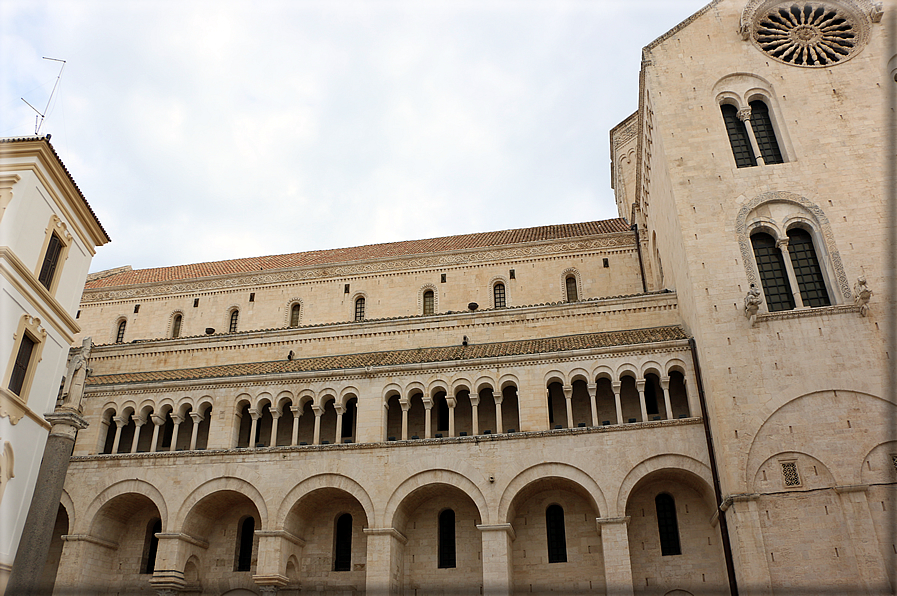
670	461
540	472
140	487
433	478
224	483
317	482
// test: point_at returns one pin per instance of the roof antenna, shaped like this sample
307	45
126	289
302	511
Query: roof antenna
39	119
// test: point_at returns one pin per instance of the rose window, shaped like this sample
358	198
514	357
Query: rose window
808	34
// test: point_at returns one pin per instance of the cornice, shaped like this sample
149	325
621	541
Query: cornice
352	374
799	313
364	267
17	273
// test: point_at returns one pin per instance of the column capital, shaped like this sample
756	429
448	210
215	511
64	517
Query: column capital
507	528
275	414
428	403
498	396
474	399
197	417
665	382
405	403
269	582
138	422
67	418
451	401
640	385
296	410
340	409
177	418
616	386
318	410
254	414
391	532
593	388
568	391
157	420
782	244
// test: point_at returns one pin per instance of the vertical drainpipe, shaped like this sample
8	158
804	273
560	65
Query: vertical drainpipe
714	472
638	248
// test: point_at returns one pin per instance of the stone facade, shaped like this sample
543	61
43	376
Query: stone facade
604	407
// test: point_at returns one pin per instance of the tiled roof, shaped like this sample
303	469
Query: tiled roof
360	253
46	139
565	343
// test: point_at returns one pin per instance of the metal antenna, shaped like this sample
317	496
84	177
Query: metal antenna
39	119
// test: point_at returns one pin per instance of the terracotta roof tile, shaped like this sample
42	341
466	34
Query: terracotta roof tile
566	343
360	253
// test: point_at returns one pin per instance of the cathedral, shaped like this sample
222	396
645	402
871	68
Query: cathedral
692	398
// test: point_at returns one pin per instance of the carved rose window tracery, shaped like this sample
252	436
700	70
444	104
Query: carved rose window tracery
813	34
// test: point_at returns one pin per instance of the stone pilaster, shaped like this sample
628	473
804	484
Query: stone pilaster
497	540
864	539
746	535
617	564
385	559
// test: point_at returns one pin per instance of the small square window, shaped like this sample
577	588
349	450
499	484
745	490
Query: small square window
512	274
606	263
790	475
442	278
136	308
252	296
346	289
195	302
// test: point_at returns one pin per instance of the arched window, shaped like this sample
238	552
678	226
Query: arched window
442	413
738	137
234	319
348	429
498	295
294	315
176	326
120	334
764	133
150	546
342	543
429	302
667	526
359	308
773	277
572	293
446	539
245	536
806	268
557	539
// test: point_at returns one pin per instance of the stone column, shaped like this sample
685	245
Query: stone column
497	540
782	245
428	418
617	564
498	396
568	397
744	114
275	419
665	387
297	414
138	424
197	418
384	564
593	401
38	531
452	402
640	385
319	411
157	422
861	529
174	433
253	428
338	435
119	423
746	536
406	405
475	413
616	386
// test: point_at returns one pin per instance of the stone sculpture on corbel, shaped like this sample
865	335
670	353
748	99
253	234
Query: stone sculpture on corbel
75	377
752	303
862	294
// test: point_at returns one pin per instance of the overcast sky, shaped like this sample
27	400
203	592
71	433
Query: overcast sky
213	130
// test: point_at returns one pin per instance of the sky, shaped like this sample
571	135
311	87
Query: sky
203	131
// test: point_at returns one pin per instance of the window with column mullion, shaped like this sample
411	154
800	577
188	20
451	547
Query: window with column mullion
773	275
738	137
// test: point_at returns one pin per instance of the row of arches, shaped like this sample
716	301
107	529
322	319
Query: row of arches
126	430
326	537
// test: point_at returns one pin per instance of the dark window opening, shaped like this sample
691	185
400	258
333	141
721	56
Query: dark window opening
20	368
78	315
151	546
176	326
557	540
359	309
429	302
651	398
806	268
348	420
342	548
667	526
234	318
442	414
294	315
498	293
120	334
136	308
252	296
738	137
446	540
773	277
606	263
550	408
512	274
51	260
442	278
195	302
346	289
245	537
572	293
764	133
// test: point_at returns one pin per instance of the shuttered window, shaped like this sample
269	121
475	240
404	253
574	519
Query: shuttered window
20	368
51	260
